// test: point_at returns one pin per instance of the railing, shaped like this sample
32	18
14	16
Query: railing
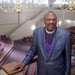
28	70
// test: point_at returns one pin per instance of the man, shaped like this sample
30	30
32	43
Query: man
53	47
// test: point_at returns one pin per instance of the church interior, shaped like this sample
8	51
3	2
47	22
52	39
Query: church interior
18	20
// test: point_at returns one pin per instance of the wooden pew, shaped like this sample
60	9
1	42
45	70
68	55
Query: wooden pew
29	69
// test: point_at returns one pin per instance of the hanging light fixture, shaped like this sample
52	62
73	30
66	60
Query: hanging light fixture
10	5
18	5
6	5
65	4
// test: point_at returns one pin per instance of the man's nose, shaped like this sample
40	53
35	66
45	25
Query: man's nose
51	21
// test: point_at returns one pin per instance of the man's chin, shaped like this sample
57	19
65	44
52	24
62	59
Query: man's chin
50	29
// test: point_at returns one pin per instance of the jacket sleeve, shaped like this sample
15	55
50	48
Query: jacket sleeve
68	48
32	51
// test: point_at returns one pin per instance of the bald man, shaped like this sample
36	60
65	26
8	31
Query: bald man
53	47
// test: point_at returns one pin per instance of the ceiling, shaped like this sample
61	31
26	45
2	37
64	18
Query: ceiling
11	21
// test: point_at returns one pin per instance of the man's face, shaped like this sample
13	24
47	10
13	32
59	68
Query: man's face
50	21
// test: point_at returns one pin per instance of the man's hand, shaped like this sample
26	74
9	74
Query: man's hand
18	67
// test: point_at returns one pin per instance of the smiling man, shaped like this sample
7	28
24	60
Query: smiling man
53	47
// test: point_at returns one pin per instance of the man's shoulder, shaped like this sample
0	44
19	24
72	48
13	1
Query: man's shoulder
63	31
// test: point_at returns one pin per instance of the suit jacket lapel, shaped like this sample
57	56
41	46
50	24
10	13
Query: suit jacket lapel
42	40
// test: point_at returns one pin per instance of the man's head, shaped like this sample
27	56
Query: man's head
50	20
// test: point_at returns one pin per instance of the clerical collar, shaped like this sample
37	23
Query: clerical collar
50	32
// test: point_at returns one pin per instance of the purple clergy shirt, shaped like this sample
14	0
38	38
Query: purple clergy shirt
48	42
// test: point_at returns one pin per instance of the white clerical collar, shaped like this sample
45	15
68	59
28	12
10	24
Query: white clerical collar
50	32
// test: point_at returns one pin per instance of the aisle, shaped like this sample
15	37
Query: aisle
18	54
